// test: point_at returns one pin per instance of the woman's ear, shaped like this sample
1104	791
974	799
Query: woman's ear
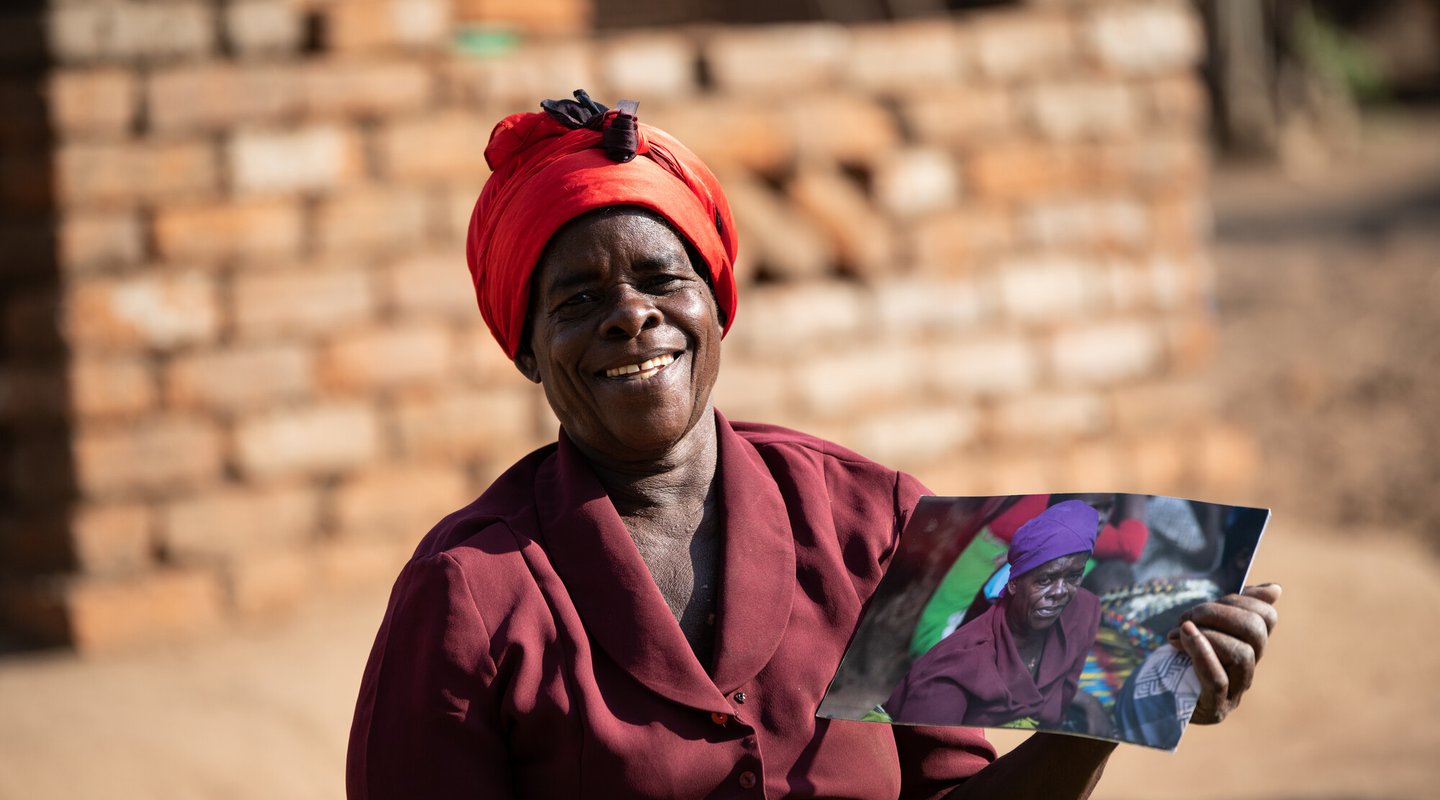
528	366
1010	587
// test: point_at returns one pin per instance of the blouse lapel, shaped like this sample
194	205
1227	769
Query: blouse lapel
610	586
758	583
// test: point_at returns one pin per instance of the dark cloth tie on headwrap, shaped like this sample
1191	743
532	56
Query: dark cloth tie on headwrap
1060	530
576	156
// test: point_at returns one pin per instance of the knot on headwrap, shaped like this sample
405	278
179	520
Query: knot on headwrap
576	156
1060	530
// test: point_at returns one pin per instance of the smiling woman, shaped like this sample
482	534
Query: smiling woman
653	605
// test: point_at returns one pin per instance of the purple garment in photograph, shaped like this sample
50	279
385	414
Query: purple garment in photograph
1058	531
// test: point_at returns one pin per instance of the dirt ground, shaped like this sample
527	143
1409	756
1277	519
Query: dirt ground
1329	351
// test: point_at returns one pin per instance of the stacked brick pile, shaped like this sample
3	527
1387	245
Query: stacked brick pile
243	364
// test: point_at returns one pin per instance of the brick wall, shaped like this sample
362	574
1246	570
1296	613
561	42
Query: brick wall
242	359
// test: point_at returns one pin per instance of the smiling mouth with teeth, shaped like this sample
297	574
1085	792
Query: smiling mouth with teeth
642	371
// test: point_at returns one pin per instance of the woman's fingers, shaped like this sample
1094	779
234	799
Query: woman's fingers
1213	703
1238	617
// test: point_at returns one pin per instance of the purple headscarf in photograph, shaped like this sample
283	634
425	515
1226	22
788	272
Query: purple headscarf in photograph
1060	530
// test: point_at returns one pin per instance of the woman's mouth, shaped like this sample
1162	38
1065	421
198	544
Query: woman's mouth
1049	612
642	371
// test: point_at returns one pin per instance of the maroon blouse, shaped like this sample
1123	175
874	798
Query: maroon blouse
975	676
527	652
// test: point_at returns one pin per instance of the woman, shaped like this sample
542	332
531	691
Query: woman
653	605
1018	664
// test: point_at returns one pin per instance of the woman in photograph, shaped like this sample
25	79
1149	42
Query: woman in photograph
653	605
1018	664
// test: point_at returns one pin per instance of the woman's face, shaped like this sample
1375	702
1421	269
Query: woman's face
1042	593
624	335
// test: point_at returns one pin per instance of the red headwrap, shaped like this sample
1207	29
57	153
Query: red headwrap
546	172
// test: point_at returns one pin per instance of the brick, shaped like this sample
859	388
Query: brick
1011	46
148	310
1043	288
850	128
900	56
750	136
34	543
315	440
650	65
131	172
1070	110
110	386
958	241
93	102
1020	170
455	206
752	389
1097	222
775	59
1191	340
1160	462
316	158
1144	38
386	357
349	87
262	27
372	220
268	584
131	31
1108	353
277	304
353	564
39	470
1177	102
26	183
1229	459
217	96
400	503
799	318
1088	466
990	366
859	378
915	435
1163	402
250	229
1156	163
785	244
225	524
913	181
160	454
466	423
1048	417
480	361
94	240
1181	223
112	539
359	25
909	306
953	116
430	284
864	241
536	16
239	378
519	79
448	147
109	614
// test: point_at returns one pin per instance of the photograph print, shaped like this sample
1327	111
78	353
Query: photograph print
1044	612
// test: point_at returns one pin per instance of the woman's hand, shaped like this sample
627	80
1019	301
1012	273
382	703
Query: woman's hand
1225	639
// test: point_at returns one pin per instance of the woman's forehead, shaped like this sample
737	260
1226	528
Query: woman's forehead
588	244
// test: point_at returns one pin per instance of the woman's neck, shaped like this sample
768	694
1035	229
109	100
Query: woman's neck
678	481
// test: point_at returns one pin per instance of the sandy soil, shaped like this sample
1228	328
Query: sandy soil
1330	351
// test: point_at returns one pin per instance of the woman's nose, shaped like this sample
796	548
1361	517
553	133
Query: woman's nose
630	312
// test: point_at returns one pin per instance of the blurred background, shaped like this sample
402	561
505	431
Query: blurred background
1060	245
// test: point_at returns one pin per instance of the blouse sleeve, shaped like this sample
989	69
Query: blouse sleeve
426	723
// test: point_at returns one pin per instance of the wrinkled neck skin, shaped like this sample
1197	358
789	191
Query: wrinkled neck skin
653	487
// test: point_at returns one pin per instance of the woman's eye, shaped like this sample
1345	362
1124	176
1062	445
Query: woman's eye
580	298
